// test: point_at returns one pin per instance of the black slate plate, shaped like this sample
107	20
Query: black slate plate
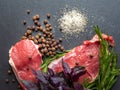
105	13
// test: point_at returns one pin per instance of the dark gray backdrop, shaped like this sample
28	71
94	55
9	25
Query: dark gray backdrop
105	13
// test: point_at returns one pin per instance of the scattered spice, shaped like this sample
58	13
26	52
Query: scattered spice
9	72
19	87
72	22
28	11
6	80
45	21
13	80
48	15
48	45
24	22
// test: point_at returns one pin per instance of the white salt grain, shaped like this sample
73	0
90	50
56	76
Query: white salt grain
72	22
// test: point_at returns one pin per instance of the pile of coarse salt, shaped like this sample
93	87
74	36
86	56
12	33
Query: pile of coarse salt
72	22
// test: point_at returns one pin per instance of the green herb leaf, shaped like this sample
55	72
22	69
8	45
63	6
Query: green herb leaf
47	60
108	72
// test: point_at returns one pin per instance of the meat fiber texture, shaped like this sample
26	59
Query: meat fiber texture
86	55
25	55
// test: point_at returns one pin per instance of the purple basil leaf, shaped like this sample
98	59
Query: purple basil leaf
78	86
41	77
34	72
30	85
46	87
66	68
50	72
56	81
64	88
77	71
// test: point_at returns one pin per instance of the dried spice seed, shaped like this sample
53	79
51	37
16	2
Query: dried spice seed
59	45
48	15
41	28
47	25
50	28
13	80
39	40
49	49
60	39
9	72
29	32
62	48
44	35
6	80
19	87
45	21
43	45
28	27
38	28
37	37
47	29
56	47
35	41
45	50
38	24
24	37
47	45
53	49
54	53
43	40
24	22
39	34
37	17
28	11
40	46
25	34
32	38
35	22
33	28
34	18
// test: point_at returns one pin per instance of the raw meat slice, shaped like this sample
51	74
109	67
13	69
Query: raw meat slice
25	55
86	55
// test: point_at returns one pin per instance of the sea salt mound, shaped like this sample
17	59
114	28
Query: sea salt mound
72	22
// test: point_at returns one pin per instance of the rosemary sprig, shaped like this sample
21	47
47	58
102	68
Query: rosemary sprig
108	72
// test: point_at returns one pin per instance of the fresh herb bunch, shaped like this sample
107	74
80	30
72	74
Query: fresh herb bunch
65	80
108	71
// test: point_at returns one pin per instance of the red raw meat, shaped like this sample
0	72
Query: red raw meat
86	55
25	55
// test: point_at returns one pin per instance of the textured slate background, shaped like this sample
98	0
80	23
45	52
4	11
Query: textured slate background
105	13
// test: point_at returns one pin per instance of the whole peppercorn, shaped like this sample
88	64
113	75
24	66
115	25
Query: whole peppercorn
24	37
48	15
9	72
24	22
35	22
37	17
6	80
28	27
35	41
33	28
13	80
45	21
60	39
29	32
34	18
28	11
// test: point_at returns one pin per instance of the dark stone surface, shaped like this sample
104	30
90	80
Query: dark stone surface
105	13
